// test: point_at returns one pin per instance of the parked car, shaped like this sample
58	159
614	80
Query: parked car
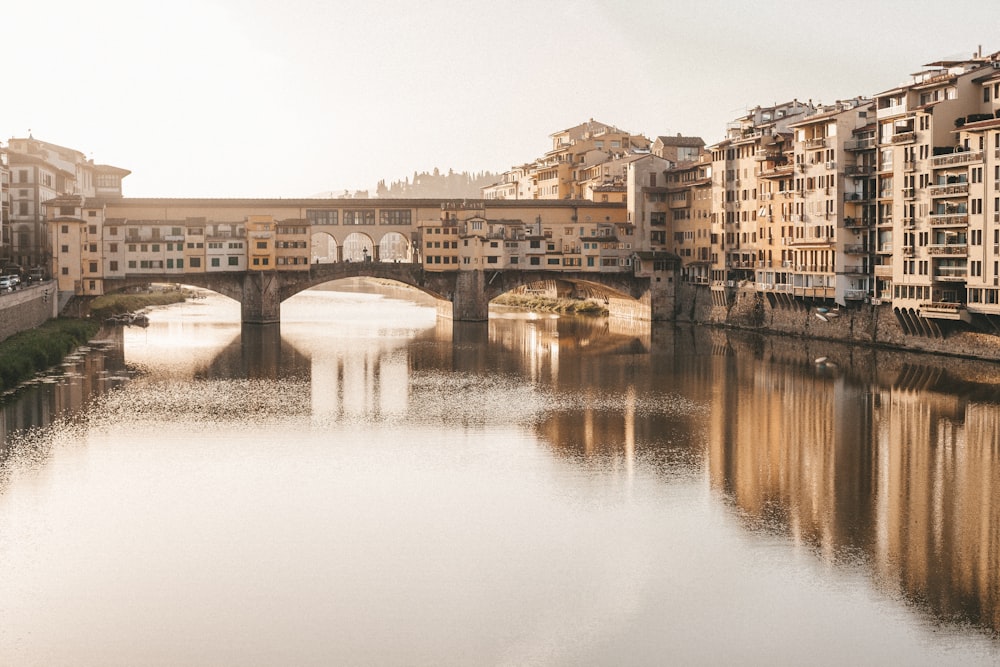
5	285
15	279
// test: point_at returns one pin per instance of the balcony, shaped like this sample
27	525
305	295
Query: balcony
945	311
883	270
950	189
858	197
949	219
855	223
859	170
891	110
965	157
949	273
948	249
884	249
819	142
855	295
904	138
868	143
855	249
814	292
855	270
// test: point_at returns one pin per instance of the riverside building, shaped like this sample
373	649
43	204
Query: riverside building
891	201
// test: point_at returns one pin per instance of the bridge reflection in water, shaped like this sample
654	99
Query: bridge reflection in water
874	462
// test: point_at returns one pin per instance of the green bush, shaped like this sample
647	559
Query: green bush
28	352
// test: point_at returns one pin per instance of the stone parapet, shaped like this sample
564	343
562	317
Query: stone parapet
26	308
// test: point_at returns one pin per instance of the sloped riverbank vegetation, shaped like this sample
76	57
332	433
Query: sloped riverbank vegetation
29	352
548	305
110	305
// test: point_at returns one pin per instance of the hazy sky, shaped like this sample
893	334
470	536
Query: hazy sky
247	98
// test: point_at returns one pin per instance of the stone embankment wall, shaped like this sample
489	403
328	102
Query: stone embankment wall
26	308
864	324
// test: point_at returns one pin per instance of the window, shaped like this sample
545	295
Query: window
195	263
215	262
392	217
113	265
359	217
92	268
234	261
321	217
261	245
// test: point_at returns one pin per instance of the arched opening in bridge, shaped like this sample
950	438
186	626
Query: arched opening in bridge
395	248
359	247
324	248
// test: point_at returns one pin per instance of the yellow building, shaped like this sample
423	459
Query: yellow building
261	245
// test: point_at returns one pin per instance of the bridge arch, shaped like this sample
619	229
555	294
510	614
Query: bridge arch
323	248
394	247
359	247
463	295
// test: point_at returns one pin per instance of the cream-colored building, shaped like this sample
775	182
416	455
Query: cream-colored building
983	237
567	171
41	171
931	188
5	249
823	257
556	236
743	244
678	148
688	216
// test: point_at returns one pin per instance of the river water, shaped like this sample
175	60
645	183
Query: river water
368	484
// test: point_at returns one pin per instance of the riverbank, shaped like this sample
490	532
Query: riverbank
110	305
29	352
549	305
867	325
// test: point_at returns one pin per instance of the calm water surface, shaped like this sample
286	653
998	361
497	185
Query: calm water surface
370	485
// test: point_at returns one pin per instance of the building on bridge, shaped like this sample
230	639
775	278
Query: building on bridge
98	243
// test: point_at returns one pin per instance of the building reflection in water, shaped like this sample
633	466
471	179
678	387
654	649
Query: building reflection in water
897	467
87	373
883	461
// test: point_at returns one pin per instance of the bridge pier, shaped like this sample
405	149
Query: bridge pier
470	302
261	303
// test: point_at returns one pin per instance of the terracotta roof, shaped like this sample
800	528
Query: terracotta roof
990	124
682	142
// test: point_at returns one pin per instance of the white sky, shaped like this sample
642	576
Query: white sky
255	98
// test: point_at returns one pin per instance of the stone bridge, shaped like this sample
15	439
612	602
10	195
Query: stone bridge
468	291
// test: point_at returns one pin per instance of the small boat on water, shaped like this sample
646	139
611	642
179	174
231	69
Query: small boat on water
821	316
129	319
820	360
